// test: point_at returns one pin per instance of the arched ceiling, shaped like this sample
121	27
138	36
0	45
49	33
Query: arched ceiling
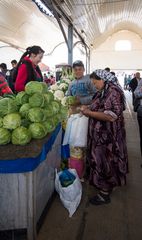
98	19
22	24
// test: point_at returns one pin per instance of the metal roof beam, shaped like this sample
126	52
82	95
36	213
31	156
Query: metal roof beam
51	6
60	14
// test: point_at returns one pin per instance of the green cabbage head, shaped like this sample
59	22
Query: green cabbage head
7	105
34	87
55	107
36	100
5	136
22	98
38	130
21	136
45	87
49	111
36	115
49	97
24	109
56	119
12	121
49	125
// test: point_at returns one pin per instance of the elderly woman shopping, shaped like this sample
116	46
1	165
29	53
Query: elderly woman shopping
106	137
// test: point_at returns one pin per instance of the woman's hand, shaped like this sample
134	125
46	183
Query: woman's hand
85	110
83	107
101	116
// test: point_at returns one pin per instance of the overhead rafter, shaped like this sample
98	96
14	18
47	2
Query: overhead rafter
59	14
52	8
98	2
62	16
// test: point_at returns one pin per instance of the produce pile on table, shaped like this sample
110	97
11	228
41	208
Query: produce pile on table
30	114
59	90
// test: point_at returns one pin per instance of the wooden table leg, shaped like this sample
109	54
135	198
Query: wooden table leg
31	206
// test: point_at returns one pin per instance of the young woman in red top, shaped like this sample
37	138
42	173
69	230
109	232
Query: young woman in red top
27	68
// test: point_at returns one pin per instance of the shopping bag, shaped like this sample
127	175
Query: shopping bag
79	131
71	195
76	131
68	129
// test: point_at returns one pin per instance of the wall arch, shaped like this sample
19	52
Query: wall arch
105	54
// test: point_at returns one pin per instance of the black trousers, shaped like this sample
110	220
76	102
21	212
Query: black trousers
140	130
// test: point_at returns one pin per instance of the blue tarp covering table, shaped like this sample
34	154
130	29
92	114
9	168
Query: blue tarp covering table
27	183
28	164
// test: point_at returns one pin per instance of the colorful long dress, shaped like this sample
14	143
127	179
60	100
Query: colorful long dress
107	153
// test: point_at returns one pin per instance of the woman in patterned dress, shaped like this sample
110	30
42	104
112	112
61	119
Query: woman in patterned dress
106	137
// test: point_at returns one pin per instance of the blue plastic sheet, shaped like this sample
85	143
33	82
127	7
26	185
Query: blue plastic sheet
65	149
66	178
29	164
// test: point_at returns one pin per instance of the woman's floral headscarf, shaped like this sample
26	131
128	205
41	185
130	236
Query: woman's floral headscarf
104	75
108	77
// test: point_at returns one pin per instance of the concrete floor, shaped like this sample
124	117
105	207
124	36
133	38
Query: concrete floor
120	220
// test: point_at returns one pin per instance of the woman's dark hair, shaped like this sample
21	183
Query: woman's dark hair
94	76
34	49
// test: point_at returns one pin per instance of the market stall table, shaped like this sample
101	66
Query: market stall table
27	182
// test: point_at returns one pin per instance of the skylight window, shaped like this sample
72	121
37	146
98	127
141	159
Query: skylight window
123	45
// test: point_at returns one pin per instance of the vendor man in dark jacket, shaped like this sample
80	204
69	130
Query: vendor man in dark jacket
133	84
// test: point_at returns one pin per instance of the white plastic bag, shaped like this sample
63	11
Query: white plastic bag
70	196
68	129
79	131
76	131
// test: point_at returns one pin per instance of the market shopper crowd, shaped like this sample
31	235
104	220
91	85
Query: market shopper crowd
99	97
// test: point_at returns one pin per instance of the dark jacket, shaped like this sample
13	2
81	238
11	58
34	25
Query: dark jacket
25	73
133	84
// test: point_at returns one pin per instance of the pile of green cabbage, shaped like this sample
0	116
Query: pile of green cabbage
31	114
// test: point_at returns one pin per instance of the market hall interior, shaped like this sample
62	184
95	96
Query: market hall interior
106	34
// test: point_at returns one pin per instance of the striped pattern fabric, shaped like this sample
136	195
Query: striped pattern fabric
4	88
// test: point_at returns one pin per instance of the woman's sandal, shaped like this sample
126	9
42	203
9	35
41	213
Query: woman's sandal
100	199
